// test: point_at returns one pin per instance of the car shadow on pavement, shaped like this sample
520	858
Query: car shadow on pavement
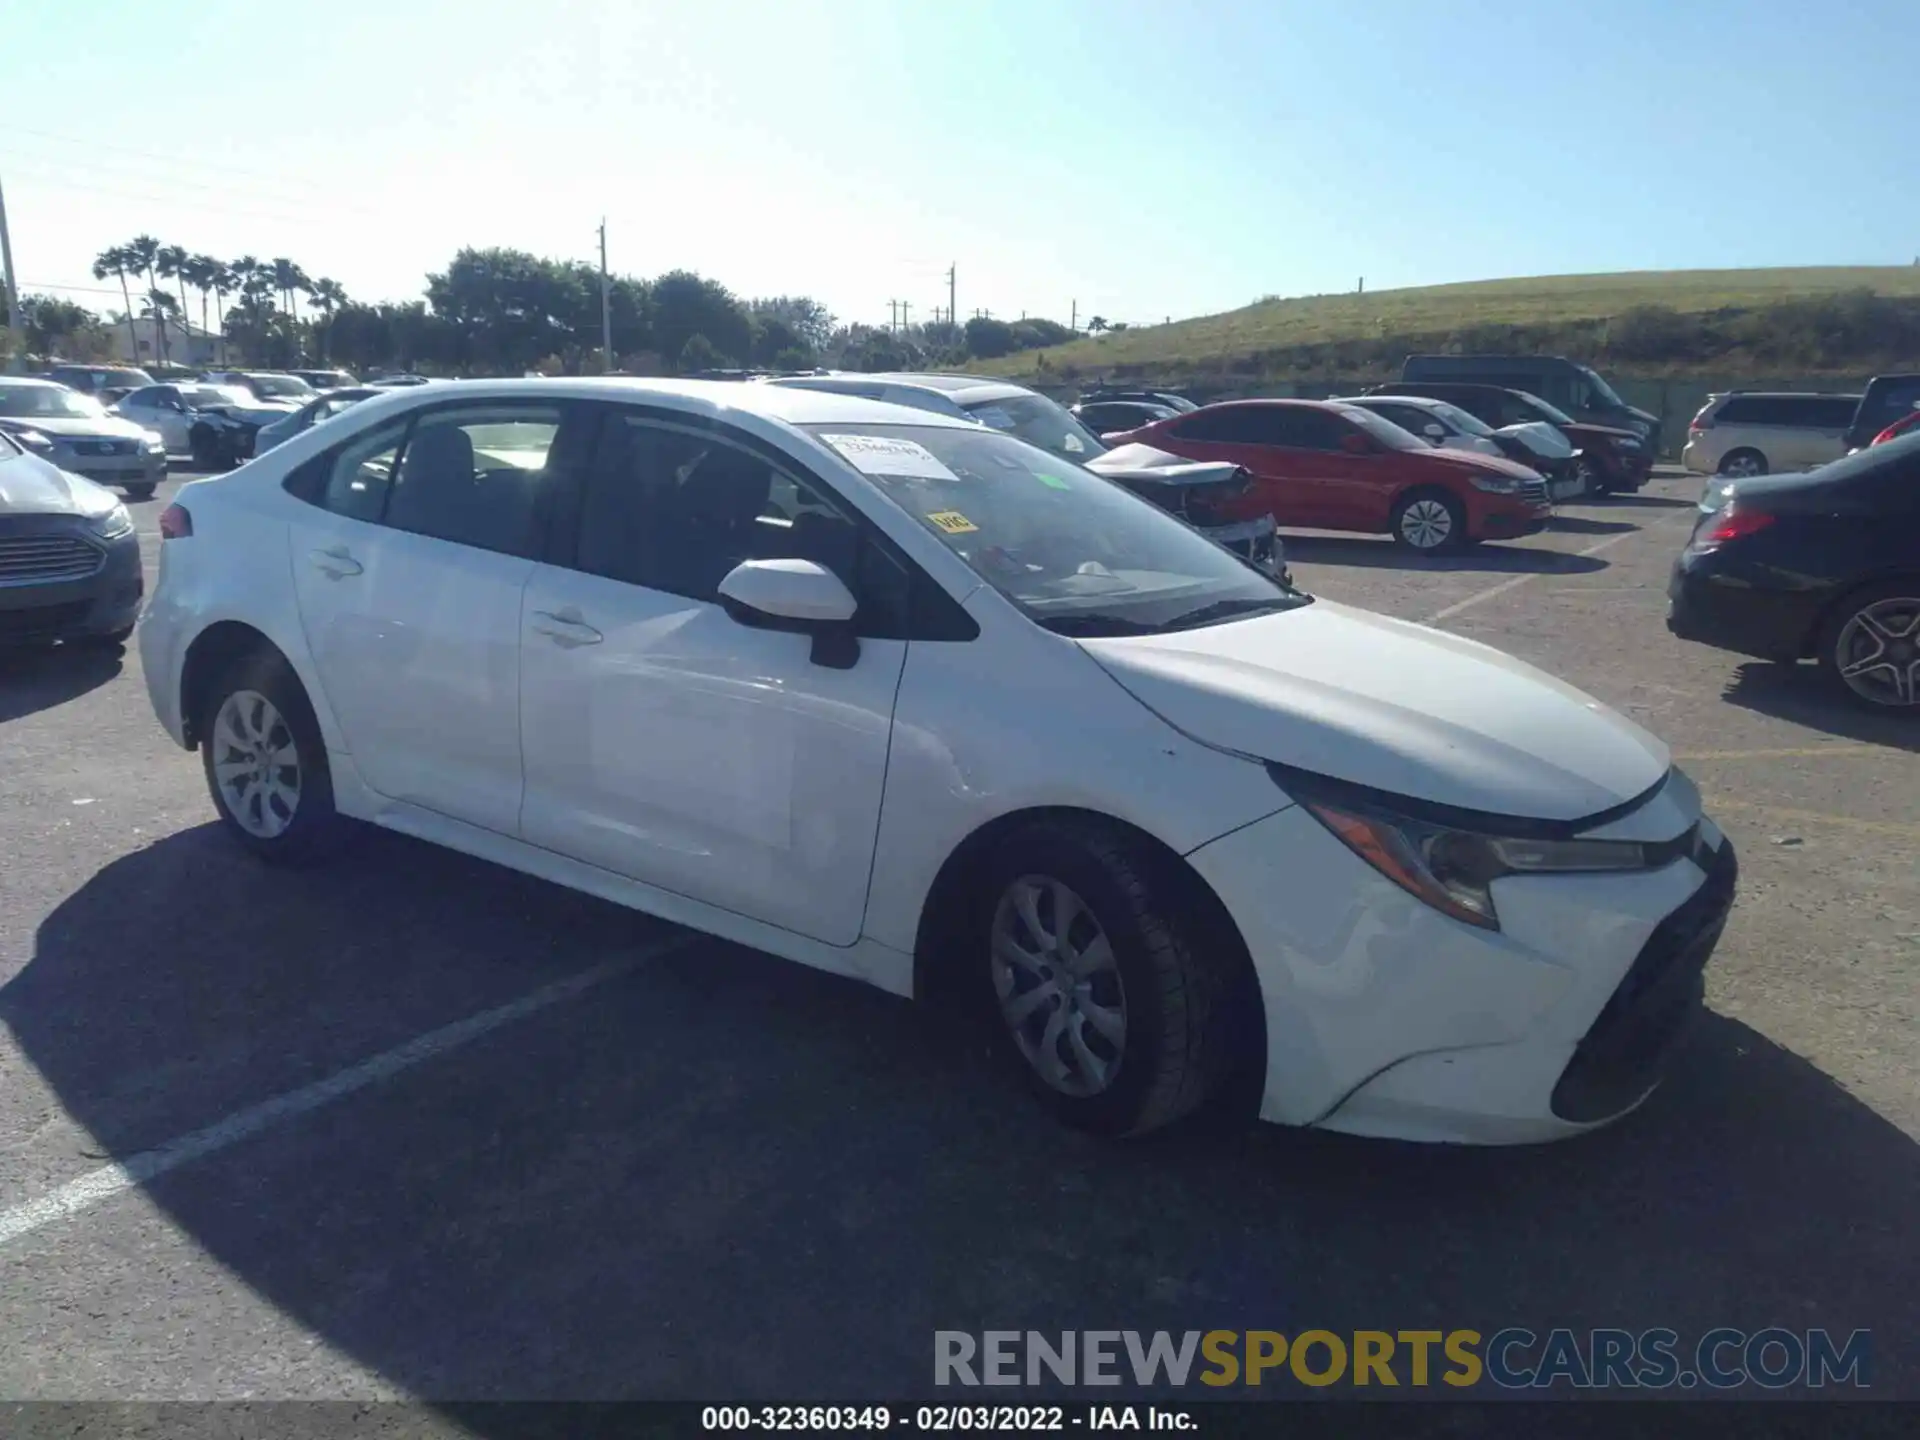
1492	558
40	678
725	1176
1582	525
1803	694
1649	502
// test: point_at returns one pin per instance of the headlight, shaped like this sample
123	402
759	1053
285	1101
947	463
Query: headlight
155	440
1498	484
1454	870
34	441
113	524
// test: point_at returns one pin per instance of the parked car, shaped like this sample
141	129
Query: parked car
1110	417
1103	393
383	381
1212	500
924	707
1820	565
264	384
321	407
1753	432
1606	458
325	379
1887	398
75	433
1575	388
215	424
69	557
1329	466
1538	446
106	383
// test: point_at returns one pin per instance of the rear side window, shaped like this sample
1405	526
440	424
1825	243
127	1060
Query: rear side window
353	479
473	476
1227	425
1804	412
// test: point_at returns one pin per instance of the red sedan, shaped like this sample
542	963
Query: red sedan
1327	466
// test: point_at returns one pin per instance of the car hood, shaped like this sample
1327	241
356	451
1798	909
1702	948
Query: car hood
1541	438
257	412
1143	462
1584	430
30	486
105	427
1391	705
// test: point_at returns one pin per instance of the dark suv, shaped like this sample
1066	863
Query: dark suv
1887	398
1609	458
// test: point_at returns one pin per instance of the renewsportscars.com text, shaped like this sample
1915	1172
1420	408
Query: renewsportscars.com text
1513	1358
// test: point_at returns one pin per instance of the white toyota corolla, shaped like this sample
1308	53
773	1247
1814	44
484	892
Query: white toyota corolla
911	701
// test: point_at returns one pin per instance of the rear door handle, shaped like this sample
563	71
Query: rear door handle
335	561
565	628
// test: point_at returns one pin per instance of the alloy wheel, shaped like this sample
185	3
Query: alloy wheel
256	764
1743	467
1426	525
1059	987
1878	651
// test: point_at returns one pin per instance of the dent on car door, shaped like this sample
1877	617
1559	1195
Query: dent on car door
670	742
408	567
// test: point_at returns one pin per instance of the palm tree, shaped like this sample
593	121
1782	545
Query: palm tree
145	253
328	296
289	279
117	262
222	282
171	264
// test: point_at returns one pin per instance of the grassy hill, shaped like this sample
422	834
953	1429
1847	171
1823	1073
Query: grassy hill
1653	321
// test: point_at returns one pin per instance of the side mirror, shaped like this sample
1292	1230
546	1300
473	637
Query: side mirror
1355	444
795	595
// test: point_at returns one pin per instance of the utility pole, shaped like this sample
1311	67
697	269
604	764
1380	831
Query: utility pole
953	315
1074	323
906	315
606	304
15	321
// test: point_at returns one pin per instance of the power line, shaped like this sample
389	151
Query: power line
93	147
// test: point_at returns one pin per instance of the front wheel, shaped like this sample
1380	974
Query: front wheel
1429	522
142	491
205	447
1105	995
1871	645
1742	464
266	764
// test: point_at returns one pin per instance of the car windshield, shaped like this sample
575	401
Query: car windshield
1080	555
1602	392
198	397
53	401
1551	414
1382	429
282	387
1461	420
1038	421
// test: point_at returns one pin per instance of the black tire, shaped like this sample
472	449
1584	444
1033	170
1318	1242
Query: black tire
313	830
140	492
1744	462
1180	1044
112	640
206	448
1414	515
1842	643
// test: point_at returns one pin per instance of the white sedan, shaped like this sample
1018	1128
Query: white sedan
908	700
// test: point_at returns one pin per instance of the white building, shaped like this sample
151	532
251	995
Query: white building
187	344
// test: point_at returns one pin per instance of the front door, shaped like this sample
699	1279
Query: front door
409	570
665	740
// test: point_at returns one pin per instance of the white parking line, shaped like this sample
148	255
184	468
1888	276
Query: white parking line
1494	591
102	1184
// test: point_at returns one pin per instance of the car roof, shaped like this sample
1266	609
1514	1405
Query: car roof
792	404
1790	394
962	388
35	383
1391	398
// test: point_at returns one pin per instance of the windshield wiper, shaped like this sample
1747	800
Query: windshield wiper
1234	609
1093	627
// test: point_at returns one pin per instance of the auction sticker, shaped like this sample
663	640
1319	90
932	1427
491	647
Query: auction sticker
886	455
951	522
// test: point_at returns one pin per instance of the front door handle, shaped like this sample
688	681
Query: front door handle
566	628
335	561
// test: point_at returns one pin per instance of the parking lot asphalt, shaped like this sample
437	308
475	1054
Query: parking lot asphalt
414	1125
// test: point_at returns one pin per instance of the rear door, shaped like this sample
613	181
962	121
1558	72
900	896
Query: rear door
1288	483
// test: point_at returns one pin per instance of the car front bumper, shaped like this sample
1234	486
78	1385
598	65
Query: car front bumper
1256	540
139	468
41	600
1508	520
1385	1017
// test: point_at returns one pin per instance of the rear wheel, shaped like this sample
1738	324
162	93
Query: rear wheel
142	491
205	446
266	764
1105	995
1871	645
1429	522
1742	463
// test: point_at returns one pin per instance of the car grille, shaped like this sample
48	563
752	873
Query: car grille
105	447
43	622
1619	1058
1534	490
47	559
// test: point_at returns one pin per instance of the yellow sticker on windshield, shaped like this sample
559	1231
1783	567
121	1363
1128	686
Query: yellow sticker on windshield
952	522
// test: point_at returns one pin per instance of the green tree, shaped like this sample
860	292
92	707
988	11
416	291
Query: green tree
989	339
172	263
328	296
60	327
698	354
117	262
802	315
144	251
222	282
508	309
685	305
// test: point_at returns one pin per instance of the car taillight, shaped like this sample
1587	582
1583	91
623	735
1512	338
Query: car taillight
175	523
1732	523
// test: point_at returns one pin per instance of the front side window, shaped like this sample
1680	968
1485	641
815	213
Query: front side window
472	476
1328	432
1039	421
1078	554
1600	394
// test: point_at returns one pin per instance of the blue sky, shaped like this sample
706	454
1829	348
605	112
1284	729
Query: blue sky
1145	159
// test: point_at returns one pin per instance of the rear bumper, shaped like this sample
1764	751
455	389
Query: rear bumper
103	603
1710	607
